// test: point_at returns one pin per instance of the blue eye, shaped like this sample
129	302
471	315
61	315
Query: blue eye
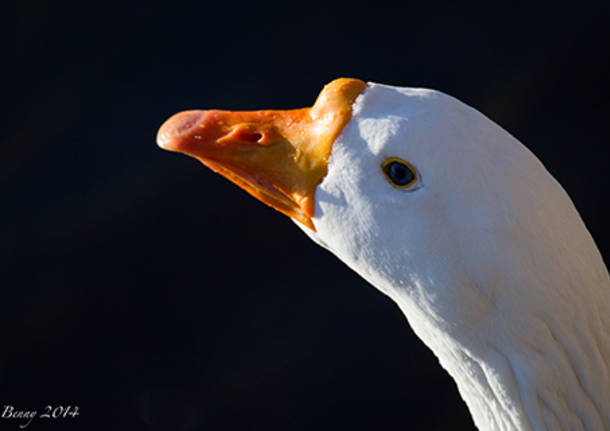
400	173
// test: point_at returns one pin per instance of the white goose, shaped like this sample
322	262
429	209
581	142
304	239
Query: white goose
451	217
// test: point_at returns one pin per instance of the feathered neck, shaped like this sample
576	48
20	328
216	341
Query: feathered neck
530	370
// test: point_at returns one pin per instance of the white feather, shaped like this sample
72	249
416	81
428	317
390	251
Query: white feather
487	257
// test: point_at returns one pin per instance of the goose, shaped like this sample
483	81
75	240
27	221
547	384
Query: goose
451	217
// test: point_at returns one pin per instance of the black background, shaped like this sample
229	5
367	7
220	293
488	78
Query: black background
156	295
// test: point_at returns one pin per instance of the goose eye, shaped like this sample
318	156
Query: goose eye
400	173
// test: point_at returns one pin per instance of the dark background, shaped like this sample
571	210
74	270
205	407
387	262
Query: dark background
154	294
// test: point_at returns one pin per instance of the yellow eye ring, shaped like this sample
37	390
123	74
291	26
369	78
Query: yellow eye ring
400	173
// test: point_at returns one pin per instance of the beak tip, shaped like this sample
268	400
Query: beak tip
169	134
164	141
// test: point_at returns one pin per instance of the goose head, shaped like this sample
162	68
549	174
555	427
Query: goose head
450	216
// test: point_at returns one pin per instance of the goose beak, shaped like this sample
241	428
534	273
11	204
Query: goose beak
278	157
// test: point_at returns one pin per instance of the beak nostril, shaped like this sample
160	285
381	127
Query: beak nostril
252	137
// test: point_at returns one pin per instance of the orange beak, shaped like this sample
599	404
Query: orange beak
279	157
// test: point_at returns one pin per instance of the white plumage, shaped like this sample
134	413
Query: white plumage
487	258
